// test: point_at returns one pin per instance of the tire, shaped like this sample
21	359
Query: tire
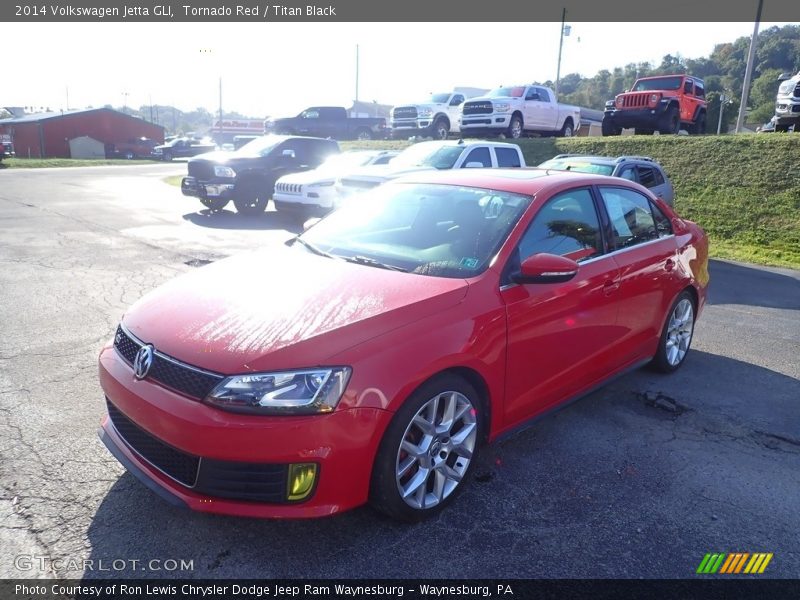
411	487
608	128
250	199
781	128
515	128
167	156
214	204
567	130
676	336
640	131
441	129
671	121
130	155
363	134
700	124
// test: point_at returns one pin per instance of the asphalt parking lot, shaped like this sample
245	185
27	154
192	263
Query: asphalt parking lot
640	479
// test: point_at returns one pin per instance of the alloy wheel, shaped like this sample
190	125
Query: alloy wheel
679	332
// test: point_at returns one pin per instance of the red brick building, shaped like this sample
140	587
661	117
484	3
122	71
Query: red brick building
47	135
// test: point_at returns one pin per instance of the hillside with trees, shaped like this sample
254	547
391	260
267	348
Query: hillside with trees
778	52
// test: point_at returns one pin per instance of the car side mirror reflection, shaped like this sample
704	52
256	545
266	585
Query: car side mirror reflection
287	154
545	268
473	165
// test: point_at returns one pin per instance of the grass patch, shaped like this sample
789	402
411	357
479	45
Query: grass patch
45	163
744	190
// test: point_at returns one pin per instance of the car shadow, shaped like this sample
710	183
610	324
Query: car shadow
519	488
228	219
733	283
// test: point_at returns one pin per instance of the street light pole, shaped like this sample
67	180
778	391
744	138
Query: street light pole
748	72
560	46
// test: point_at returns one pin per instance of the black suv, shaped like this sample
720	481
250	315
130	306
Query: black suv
641	169
247	176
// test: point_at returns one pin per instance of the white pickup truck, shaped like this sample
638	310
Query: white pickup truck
424	156
787	104
437	117
518	110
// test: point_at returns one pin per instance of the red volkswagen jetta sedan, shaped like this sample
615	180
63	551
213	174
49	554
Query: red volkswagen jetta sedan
370	358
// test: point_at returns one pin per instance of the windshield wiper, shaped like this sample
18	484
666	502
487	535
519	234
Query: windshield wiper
313	248
371	262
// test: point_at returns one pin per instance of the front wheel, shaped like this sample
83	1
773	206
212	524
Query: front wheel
441	130
214	204
515	128
167	156
428	450
671	123
608	128
251	199
676	337
363	134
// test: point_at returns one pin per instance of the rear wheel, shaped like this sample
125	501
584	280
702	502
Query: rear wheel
568	129
363	134
676	337
700	124
251	198
428	450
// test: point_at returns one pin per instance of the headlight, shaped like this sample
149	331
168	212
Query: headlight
310	391
220	171
620	100
786	87
424	112
322	183
654	98
501	106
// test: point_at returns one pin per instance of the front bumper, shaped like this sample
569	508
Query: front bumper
787	112
342	445
636	117
190	186
322	201
492	123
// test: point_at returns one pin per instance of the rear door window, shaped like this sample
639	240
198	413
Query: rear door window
480	155
507	157
631	216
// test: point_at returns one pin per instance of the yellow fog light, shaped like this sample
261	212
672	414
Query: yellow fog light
301	480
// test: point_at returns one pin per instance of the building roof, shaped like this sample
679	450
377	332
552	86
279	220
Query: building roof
56	114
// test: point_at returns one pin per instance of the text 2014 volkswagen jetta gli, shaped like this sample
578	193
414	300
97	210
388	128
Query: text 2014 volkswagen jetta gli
370	358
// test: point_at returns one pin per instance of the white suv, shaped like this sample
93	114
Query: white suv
312	193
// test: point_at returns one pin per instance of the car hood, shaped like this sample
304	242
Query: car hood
384	172
282	308
308	177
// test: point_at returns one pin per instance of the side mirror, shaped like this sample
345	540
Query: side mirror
473	164
288	154
545	268
784	76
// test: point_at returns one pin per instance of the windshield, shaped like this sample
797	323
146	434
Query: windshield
581	165
439	98
507	92
260	146
433	155
428	229
660	83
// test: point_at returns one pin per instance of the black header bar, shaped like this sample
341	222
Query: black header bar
643	11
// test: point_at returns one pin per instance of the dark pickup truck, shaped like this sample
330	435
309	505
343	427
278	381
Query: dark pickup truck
247	176
182	148
330	122
6	147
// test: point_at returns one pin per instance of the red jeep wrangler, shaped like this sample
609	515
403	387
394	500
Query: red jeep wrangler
667	103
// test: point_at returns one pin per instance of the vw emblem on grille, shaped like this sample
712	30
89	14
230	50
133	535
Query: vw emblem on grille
143	361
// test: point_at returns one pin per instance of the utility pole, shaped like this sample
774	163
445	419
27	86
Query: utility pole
722	100
356	72
560	46
748	72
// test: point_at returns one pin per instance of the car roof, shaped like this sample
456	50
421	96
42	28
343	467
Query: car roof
525	180
606	160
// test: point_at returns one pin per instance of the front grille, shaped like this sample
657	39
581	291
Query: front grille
360	184
201	169
796	108
635	100
797	91
405	112
256	482
176	464
182	378
289	188
478	108
467	123
252	482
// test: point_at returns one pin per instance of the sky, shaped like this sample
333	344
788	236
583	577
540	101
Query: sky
277	69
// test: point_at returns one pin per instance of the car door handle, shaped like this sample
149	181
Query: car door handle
669	265
610	286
